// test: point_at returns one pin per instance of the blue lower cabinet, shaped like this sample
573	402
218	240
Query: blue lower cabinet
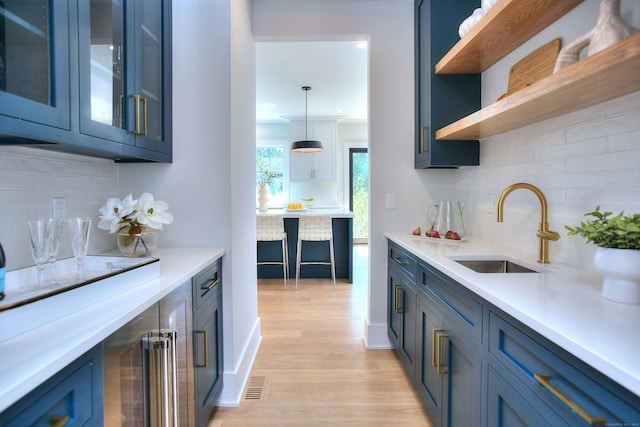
508	407
72	397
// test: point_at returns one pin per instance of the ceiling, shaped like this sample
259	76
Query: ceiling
335	70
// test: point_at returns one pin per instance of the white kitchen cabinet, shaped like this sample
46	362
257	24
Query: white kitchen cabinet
314	166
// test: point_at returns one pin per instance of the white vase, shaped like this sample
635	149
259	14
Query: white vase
263	198
610	29
621	271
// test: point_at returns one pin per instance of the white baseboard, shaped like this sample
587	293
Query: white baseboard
235	379
375	336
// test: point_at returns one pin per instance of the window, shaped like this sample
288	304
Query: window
271	159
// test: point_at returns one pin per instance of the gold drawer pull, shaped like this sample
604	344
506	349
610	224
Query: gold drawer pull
399	261
206	355
439	361
396	306
58	420
211	284
423	148
543	379
434	332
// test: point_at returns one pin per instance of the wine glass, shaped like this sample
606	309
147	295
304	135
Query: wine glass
54	228
79	228
38	236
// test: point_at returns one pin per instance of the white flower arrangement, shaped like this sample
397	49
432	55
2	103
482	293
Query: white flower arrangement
134	216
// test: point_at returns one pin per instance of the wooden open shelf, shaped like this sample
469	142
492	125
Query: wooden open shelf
608	74
507	25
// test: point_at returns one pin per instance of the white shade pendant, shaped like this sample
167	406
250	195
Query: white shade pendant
307	145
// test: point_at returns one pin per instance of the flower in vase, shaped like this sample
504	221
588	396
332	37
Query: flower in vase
134	216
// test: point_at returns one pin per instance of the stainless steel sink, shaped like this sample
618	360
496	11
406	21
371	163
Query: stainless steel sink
495	266
498	264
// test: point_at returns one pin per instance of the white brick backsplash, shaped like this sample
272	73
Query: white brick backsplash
582	159
30	178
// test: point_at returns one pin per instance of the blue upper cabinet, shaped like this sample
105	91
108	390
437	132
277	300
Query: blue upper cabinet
125	73
34	62
442	99
87	76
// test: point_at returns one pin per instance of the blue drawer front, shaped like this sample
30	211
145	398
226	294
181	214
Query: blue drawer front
595	395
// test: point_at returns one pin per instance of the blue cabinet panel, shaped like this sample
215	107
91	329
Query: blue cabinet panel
73	394
441	99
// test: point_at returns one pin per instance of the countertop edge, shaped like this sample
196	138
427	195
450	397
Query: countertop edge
47	349
618	365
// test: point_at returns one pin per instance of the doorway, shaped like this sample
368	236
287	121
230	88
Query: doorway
359	193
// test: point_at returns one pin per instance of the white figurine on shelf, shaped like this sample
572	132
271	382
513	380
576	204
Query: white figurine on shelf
609	29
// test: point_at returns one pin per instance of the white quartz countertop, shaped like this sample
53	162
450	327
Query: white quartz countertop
31	357
563	304
296	213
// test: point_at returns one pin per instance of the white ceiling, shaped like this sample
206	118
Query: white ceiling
336	72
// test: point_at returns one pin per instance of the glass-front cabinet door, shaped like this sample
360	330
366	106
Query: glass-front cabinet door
124	71
34	61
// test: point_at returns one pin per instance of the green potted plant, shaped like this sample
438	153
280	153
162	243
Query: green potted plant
618	254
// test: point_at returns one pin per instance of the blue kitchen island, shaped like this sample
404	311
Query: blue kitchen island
342	243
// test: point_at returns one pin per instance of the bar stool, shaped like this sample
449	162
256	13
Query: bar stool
270	228
315	228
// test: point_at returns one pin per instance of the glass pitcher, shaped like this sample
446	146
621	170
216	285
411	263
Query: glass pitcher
446	215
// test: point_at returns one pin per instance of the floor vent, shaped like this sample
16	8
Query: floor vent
255	389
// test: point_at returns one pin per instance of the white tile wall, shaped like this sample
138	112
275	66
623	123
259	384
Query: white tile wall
30	178
580	160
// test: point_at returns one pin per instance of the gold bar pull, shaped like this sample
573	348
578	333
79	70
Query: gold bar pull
58	420
208	286
543	379
136	129
434	332
422	146
439	361
400	261
396	306
144	116
206	355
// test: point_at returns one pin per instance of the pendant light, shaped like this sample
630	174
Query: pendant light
306	145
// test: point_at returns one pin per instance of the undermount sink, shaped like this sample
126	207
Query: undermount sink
498	264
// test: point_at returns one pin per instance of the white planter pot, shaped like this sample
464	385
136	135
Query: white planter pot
263	198
621	271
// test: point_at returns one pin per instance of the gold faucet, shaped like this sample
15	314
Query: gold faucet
544	234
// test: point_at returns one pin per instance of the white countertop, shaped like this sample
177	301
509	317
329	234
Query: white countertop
295	213
563	305
30	358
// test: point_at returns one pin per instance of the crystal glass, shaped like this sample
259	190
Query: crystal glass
54	228
79	228
38	235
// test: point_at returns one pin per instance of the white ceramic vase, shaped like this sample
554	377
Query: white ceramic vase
263	198
621	271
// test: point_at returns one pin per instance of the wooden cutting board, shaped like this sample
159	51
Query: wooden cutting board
533	67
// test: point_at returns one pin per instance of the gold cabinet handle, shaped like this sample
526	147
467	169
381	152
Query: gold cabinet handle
422	146
206	355
439	369
396	306
207	286
144	116
400	261
136	128
434	333
543	379
58	420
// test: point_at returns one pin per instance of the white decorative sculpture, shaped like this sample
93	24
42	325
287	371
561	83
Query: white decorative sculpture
609	29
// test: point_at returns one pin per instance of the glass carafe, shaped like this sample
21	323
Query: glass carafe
447	216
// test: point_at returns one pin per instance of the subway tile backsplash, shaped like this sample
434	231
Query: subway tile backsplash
580	160
30	178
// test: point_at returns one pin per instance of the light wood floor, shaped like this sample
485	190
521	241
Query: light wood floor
315	368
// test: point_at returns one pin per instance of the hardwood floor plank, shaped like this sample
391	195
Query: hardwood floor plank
316	368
